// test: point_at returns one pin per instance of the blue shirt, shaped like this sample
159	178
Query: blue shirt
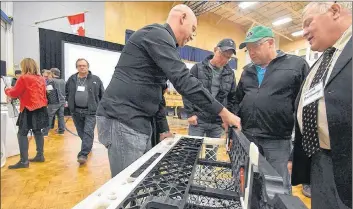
260	73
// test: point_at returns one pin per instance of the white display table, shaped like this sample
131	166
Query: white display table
9	141
3	136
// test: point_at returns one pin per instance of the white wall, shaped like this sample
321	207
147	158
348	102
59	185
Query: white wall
26	33
7	37
101	62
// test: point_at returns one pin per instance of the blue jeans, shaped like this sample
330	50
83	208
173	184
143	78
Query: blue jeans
277	154
56	109
124	144
211	130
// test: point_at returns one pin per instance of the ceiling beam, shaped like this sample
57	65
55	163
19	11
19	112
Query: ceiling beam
290	8
303	4
174	4
252	25
254	21
220	20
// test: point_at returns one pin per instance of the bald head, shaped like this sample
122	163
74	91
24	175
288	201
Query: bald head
325	22
183	22
180	9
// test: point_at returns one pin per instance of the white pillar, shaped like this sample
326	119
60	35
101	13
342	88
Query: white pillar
277	39
7	7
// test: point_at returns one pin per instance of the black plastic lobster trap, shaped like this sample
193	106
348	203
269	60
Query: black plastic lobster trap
189	176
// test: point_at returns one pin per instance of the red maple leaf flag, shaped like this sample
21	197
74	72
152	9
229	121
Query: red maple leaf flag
77	23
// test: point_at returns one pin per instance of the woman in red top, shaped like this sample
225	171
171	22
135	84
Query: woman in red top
30	88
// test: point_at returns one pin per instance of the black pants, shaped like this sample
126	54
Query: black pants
23	143
323	187
85	124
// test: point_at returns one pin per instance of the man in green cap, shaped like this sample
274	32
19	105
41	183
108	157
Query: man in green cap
265	97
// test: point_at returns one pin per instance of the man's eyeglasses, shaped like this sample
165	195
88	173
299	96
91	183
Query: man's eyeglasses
256	44
81	66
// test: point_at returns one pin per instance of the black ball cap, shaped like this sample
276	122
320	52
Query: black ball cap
227	44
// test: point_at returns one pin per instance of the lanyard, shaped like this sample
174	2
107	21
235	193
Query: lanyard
79	81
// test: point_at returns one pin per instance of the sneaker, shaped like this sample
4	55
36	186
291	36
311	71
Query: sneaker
19	165
82	160
306	190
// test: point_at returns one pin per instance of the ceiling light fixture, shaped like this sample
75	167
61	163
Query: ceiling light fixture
298	33
244	5
282	21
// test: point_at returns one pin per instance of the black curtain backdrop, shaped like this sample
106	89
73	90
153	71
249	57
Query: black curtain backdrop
3	68
51	50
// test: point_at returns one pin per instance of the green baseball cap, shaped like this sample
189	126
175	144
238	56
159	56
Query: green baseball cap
256	33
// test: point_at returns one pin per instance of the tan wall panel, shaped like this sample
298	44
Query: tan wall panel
120	16
286	45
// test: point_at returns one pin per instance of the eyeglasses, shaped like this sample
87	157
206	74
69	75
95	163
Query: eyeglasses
81	66
256	45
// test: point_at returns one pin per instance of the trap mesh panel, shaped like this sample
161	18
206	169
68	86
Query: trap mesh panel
170	178
202	202
238	155
215	175
217	178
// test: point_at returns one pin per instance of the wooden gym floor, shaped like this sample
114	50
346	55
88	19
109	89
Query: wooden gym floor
60	183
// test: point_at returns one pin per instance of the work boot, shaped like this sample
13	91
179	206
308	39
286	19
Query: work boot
19	165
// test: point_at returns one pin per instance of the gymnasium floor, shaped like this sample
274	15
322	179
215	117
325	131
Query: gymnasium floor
60	183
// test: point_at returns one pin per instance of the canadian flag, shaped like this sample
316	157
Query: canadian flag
77	23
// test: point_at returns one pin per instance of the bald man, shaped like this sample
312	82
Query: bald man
126	113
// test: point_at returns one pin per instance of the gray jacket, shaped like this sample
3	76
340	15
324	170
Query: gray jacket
60	86
226	95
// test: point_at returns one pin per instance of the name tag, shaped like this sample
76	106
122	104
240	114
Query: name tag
81	88
49	87
313	94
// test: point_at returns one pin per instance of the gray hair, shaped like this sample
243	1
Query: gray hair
55	72
322	7
264	39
